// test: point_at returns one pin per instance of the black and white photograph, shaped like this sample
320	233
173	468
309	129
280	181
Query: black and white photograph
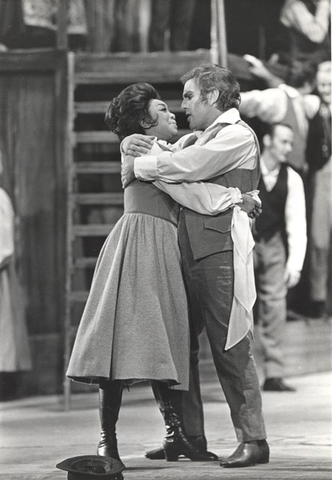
165	240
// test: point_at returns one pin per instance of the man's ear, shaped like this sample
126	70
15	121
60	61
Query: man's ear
267	140
213	96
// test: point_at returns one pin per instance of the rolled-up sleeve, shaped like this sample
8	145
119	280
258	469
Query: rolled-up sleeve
268	105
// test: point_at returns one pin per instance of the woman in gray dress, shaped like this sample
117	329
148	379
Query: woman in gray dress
135	323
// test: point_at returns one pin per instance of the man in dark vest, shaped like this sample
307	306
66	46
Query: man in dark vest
225	152
281	239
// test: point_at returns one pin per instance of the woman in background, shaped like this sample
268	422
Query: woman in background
15	350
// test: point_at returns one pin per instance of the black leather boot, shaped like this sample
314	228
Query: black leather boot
156	454
176	442
110	396
198	441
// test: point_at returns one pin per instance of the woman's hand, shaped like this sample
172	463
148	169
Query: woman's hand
251	206
137	145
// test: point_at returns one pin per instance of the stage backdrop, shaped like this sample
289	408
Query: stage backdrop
33	122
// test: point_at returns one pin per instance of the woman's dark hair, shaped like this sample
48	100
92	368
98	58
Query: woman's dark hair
129	109
211	77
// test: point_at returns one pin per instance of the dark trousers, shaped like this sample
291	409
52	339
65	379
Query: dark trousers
209	284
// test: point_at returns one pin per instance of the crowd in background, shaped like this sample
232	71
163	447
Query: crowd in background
106	25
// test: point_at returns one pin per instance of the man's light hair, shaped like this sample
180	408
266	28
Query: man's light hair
210	77
324	67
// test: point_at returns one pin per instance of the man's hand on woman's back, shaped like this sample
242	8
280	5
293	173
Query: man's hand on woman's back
137	145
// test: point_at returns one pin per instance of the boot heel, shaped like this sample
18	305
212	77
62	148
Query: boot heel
171	455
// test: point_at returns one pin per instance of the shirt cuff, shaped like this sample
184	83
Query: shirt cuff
294	265
236	195
145	168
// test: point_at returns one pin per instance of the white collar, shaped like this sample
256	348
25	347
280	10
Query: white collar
265	171
230	116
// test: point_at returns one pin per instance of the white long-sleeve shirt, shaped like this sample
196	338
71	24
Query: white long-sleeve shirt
202	197
232	147
295	214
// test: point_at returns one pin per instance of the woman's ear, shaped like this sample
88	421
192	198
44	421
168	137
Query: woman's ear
144	124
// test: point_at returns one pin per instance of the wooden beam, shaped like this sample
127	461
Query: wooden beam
43	60
218	34
61	37
126	67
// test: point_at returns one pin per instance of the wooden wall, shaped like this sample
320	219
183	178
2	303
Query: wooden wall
33	123
118	25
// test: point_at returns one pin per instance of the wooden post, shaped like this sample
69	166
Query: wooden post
61	38
218	33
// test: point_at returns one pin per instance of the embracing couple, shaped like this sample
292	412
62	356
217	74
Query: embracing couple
178	261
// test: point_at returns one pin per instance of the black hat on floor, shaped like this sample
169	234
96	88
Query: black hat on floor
92	467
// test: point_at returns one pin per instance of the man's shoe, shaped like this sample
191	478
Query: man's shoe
276	385
248	454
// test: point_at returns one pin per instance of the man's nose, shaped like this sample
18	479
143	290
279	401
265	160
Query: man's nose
183	105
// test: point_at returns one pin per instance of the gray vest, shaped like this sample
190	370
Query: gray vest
297	156
212	234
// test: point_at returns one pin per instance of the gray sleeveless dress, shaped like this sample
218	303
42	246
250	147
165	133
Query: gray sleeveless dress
135	323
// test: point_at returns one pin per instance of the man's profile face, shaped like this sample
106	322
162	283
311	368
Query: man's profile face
198	112
324	86
281	143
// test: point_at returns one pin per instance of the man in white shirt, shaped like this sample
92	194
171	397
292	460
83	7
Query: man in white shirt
283	103
310	117
226	153
281	239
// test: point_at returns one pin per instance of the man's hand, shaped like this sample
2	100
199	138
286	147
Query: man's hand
258	69
292	277
127	170
251	206
137	145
